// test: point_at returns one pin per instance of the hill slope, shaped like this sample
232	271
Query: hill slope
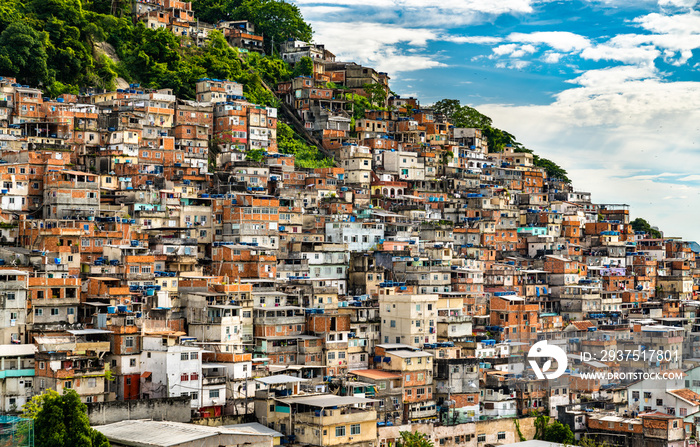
65	46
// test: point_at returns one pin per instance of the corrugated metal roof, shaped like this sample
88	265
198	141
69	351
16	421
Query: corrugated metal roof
279	379
15	350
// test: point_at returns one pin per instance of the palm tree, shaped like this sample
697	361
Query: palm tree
414	439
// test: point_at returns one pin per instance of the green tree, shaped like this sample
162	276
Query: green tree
447	108
10	12
23	54
640	224
376	93
461	116
552	169
554	432
588	442
305	156
558	432
276	20
465	116
413	439
256	155
61	421
305	67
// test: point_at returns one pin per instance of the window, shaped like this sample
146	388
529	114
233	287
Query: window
213	394
132	362
194	355
194	376
54	311
481	437
68	384
184	377
184	356
355	429
501	435
129	342
92	382
340	431
659	402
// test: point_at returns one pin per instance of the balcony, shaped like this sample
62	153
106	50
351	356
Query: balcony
213	380
454	319
347	415
16	373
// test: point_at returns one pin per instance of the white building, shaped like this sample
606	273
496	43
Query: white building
16	376
359	236
173	370
653	395
404	164
13	305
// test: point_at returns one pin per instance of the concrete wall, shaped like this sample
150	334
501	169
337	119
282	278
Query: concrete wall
176	409
452	435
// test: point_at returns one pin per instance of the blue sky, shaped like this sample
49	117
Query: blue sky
609	89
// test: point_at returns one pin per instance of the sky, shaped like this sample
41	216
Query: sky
608	89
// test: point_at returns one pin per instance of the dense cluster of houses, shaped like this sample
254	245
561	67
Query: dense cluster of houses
142	256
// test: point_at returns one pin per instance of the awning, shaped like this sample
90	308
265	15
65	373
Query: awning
146	375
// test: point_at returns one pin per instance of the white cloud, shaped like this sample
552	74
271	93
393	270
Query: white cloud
623	52
482	40
505	49
653	176
551	57
443	13
666	24
378	45
558	40
612	79
678	3
512	50
623	131
515	64
523	50
617	123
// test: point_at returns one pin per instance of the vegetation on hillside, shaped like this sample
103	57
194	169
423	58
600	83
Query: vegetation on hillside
465	116
553	432
57	45
640	224
60	420
305	156
54	44
275	20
